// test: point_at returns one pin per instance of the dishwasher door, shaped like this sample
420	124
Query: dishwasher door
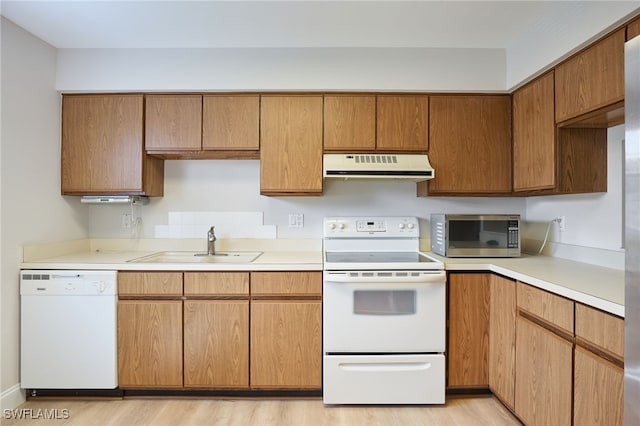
68	329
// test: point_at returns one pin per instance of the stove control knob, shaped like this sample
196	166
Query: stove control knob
401	226
341	226
332	226
410	225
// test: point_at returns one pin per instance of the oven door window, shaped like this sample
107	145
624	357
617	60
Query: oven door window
384	302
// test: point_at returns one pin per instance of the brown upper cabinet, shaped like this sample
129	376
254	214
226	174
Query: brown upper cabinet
470	145
349	123
592	81
102	147
231	122
402	123
291	145
633	29
534	136
173	122
176	125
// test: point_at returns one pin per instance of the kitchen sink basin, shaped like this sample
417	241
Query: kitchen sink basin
199	257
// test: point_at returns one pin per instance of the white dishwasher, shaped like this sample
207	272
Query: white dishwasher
68	334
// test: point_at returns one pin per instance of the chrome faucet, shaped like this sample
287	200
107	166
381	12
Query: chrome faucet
211	242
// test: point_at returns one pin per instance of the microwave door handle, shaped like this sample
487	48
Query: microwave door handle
438	277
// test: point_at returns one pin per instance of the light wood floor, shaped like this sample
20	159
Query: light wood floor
468	410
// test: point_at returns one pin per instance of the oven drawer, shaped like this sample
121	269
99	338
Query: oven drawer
383	379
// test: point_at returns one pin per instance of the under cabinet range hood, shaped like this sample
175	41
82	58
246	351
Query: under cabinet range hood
115	199
412	167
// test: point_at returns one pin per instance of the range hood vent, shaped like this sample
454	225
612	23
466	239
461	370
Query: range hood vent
412	167
136	200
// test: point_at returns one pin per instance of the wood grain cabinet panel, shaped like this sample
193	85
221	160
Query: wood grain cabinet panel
286	284
149	343
231	122
544	374
291	145
402	123
554	310
286	344
633	29
102	147
150	284
349	123
468	352
534	136
502	339
603	330
469	145
216	284
173	122
598	395
216	343
592	79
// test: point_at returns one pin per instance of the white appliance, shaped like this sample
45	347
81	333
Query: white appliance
383	314
412	167
68	329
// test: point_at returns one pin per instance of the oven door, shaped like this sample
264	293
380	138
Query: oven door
384	312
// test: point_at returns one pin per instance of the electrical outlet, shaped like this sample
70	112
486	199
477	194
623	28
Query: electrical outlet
296	220
126	220
562	223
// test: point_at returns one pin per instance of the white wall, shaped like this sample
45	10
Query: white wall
32	209
234	185
573	26
347	69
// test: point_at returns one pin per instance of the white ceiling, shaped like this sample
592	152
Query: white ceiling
212	24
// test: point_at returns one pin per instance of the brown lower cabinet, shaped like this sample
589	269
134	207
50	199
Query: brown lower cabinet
551	361
194	329
543	381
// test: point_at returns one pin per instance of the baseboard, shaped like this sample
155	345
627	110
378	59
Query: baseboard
12	397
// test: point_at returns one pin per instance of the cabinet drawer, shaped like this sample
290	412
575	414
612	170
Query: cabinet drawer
150	283
553	309
216	283
286	283
604	330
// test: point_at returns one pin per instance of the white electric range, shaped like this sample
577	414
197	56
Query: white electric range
383	314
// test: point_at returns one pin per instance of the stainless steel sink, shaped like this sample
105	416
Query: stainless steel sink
199	257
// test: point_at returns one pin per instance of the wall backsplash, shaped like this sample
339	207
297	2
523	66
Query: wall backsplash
229	186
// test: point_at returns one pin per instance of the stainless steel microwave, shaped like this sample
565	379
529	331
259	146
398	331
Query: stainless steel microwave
473	235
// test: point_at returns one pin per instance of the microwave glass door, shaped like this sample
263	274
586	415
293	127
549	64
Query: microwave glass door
484	234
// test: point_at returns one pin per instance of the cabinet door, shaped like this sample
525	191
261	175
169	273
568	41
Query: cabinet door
216	343
291	145
534	136
544	373
349	123
402	123
102	147
173	122
286	344
598	394
231	122
468	353
470	144
502	339
592	79
149	343
633	29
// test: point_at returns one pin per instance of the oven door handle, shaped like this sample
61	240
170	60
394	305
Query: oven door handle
437	277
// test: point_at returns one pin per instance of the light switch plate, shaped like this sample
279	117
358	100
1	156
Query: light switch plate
296	220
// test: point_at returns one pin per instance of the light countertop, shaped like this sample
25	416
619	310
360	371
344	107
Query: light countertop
596	286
